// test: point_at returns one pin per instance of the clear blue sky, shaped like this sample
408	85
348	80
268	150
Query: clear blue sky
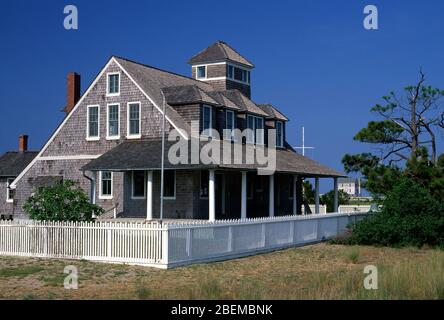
314	60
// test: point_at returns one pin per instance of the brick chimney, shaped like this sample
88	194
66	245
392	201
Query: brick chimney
23	143
72	91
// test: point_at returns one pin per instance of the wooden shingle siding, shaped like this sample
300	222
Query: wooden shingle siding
71	141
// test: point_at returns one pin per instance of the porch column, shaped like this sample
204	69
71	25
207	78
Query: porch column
271	196
316	195
149	195
244	196
336	196
295	200
212	197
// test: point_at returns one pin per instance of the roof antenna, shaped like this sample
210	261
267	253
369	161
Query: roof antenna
303	143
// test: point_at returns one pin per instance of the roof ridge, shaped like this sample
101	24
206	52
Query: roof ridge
222	47
159	69
252	64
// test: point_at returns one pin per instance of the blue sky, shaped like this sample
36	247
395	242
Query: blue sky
314	60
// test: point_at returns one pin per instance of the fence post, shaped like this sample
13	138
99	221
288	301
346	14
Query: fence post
165	236
318	222
230	238
189	243
291	231
45	238
264	238
109	241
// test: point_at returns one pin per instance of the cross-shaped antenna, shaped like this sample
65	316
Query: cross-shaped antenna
303	143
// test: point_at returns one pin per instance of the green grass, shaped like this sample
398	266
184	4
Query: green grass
20	271
321	271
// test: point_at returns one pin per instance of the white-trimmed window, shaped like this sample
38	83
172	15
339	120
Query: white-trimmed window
238	74
106	185
134	120
169	184
256	125
279	134
138	185
201	72
9	191
229	125
207	120
113	121
113	84
93	123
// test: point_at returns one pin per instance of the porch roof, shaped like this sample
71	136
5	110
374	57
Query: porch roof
146	155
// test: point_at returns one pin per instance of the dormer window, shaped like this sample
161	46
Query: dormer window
201	72
279	134
113	87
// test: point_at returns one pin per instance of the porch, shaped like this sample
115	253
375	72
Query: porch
202	191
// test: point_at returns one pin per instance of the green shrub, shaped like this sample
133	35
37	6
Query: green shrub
61	202
410	217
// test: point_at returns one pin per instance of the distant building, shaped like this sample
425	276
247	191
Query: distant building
350	186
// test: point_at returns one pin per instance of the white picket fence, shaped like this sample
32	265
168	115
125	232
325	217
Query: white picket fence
166	245
136	243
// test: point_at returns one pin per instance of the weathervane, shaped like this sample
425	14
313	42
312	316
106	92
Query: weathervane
303	143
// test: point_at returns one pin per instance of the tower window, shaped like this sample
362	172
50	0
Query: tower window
238	74
201	72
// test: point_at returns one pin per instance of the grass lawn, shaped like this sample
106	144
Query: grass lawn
321	271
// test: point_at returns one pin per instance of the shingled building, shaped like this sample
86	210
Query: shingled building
109	143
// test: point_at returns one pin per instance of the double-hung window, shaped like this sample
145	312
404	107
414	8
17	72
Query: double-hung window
207	120
106	185
113	130
9	191
93	123
256	133
138	185
279	134
113	84
229	125
134	120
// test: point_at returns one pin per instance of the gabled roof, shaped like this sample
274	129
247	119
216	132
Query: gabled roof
219	51
224	101
145	155
272	112
13	163
242	101
152	81
187	95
